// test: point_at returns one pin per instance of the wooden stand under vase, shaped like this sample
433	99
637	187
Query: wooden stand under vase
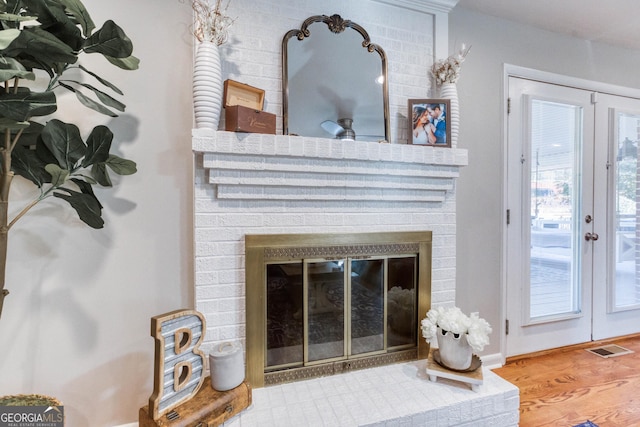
472	376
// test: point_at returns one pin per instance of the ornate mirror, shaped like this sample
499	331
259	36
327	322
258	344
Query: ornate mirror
334	81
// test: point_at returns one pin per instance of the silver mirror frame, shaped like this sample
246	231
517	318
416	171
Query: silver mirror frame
335	24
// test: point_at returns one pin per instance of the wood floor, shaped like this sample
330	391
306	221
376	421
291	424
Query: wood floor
568	386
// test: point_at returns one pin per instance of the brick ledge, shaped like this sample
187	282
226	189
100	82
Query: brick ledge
281	167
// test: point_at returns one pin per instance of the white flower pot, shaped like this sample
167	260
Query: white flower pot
455	352
450	91
207	86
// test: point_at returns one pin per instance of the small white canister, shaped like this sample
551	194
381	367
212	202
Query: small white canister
227	366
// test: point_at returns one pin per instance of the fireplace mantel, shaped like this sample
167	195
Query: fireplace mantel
268	167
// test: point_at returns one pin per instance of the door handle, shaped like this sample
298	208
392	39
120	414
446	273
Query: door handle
591	236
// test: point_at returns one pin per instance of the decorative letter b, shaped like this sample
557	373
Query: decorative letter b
179	365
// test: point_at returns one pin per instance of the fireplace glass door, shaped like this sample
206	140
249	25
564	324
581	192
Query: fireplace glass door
326	310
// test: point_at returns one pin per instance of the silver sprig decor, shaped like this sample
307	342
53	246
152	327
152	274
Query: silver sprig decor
211	21
448	70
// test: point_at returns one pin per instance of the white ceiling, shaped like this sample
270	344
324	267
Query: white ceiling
614	22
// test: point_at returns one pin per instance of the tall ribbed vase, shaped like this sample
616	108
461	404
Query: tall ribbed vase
207	86
450	91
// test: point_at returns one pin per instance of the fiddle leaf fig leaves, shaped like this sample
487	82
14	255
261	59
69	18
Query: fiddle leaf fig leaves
85	187
99	173
64	142
110	40
10	68
117	164
58	176
88	102
104	97
86	205
55	20
98	145
50	36
41	45
101	80
27	164
8	36
24	104
121	166
81	14
128	63
12	125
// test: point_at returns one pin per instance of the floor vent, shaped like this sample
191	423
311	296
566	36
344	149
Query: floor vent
611	350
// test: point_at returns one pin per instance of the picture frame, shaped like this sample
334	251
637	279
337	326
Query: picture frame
429	122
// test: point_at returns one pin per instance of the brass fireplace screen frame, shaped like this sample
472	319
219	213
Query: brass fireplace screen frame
260	249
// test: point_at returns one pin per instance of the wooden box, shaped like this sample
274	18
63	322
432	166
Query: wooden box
236	93
238	118
243	109
208	408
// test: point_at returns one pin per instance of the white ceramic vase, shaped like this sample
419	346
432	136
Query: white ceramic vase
207	86
450	91
227	366
455	352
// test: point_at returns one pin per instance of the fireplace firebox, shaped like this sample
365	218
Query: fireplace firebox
320	304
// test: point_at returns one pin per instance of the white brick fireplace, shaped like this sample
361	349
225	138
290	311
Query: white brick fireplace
267	184
280	184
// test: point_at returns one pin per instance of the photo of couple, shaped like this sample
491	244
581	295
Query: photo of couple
429	122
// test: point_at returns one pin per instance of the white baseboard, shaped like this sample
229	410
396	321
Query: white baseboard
128	425
493	361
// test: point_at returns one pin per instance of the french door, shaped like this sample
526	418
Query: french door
572	178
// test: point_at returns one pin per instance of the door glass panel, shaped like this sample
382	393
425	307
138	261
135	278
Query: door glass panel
627	262
555	176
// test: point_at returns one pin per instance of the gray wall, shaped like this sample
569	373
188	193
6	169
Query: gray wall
480	187
76	324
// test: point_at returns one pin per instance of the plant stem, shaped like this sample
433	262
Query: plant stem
54	80
3	252
24	211
6	177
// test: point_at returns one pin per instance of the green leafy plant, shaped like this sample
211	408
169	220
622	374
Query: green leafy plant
40	41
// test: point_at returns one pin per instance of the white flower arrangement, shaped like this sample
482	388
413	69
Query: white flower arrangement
211	21
454	320
448	70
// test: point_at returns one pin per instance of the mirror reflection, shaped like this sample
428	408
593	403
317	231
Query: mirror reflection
334	82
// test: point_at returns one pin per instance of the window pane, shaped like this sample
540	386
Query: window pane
627	262
556	139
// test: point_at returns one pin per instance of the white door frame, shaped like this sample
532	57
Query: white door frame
510	70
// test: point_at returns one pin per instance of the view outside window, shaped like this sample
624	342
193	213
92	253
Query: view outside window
556	140
627	289
556	237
